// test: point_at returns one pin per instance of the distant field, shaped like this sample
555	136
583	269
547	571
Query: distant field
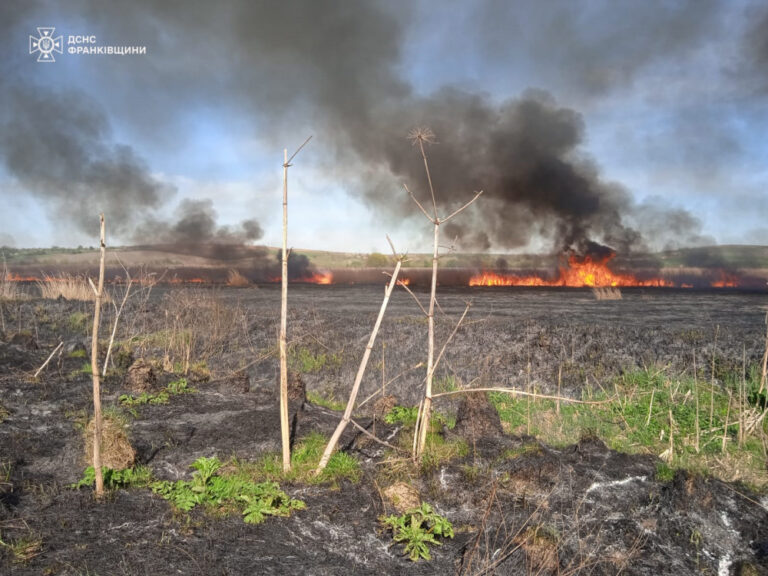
727	256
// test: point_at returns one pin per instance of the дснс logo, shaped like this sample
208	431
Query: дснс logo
45	44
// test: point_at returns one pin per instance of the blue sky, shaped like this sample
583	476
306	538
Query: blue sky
658	109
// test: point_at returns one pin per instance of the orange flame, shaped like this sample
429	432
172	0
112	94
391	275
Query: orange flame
316	278
580	272
726	281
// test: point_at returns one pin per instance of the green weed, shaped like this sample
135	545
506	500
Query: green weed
228	493
405	415
418	529
137	477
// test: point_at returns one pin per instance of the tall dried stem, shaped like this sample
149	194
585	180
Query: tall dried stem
285	431
421	136
97	418
360	371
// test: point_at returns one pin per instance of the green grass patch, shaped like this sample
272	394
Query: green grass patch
80	353
304	460
174	388
303	360
330	403
77	321
227	493
641	409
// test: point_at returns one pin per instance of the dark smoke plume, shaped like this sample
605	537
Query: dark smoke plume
195	223
336	66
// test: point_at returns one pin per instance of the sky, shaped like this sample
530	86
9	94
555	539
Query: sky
637	125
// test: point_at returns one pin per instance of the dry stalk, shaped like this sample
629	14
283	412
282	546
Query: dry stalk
285	431
97	418
361	370
118	312
696	394
516	392
48	360
421	136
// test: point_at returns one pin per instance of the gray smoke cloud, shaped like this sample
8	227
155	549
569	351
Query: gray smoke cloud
195	222
338	67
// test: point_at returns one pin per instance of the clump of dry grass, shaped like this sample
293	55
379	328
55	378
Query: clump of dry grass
116	451
237	280
68	287
606	293
10	290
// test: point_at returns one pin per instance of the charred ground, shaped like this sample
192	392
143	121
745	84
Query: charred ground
518	505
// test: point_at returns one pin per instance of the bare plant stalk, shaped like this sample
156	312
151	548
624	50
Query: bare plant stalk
696	394
650	409
97	418
285	431
427	406
559	380
725	425
118	312
742	395
764	374
360	373
420	136
48	360
712	382
516	392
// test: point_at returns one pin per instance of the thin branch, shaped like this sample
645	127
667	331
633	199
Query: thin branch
419	205
49	359
444	220
515	391
390	381
405	286
288	162
448	341
374	438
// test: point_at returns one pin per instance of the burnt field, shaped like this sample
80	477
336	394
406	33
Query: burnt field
530	487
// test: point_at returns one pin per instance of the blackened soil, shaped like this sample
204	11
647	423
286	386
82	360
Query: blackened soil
517	507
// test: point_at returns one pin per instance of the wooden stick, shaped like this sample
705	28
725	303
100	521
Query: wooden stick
49	359
360	373
97	418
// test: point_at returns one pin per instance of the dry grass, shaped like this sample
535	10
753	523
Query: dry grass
10	290
237	280
68	287
606	293
116	451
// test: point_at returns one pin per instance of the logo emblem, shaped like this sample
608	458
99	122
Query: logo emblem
45	44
